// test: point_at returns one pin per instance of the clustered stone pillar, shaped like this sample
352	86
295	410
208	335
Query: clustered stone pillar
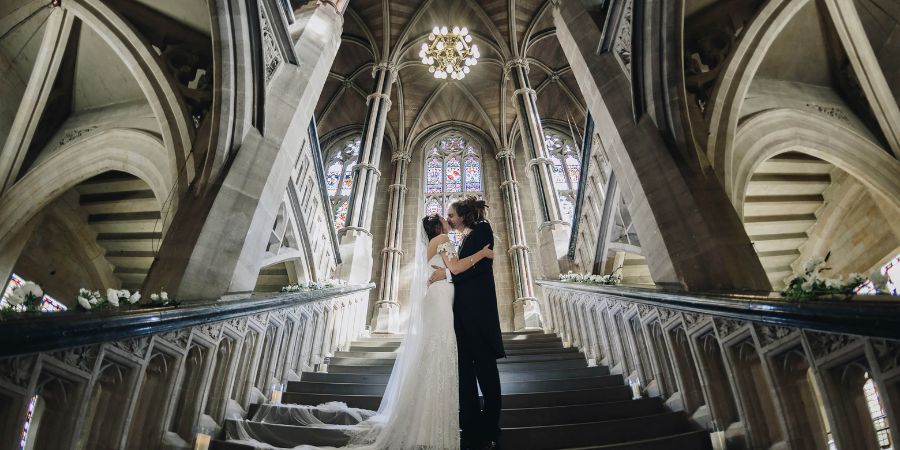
387	309
527	312
356	237
553	231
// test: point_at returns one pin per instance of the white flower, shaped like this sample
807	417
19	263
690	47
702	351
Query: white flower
154	297
164	296
31	289
113	301
134	298
834	283
112	296
814	265
84	302
855	279
808	284
15	297
124	294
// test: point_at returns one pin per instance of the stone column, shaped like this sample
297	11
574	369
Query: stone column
387	310
356	237
527	311
553	231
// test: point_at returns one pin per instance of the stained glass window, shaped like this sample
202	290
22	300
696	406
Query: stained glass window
473	174
332	177
876	411
452	166
340	217
453	174
342	158
566	169
29	416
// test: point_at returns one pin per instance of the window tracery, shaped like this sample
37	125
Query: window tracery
566	170
453	169
339	175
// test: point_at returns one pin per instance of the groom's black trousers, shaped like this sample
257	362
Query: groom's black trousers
478	364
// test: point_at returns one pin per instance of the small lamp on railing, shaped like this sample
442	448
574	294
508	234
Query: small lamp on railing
635	389
202	441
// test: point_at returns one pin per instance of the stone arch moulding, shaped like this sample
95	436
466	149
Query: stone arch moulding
136	152
729	94
771	132
155	82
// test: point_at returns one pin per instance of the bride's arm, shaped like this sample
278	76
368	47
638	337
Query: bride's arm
458	266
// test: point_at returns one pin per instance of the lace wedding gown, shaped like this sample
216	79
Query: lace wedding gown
420	407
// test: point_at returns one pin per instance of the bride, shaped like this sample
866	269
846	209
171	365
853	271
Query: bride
420	407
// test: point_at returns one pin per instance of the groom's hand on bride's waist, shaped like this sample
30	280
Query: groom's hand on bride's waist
438	274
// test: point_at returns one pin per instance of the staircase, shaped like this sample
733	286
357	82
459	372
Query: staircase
551	400
780	207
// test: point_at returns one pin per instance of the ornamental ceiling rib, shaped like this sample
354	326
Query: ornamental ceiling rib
484	97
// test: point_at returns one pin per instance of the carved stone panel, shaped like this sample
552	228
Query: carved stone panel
622	45
727	327
824	344
179	337
82	358
887	354
137	347
769	334
17	370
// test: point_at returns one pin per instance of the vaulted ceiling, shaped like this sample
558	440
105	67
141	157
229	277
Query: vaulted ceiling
376	31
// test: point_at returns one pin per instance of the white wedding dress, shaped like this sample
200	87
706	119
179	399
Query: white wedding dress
420	407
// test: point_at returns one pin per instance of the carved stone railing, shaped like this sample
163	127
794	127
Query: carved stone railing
153	378
758	373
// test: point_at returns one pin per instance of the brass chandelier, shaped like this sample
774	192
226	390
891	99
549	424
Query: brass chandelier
448	53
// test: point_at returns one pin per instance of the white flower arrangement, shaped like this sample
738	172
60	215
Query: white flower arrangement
89	299
608	280
313	285
811	284
26	297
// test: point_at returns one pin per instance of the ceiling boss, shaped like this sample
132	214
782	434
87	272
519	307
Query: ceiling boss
448	53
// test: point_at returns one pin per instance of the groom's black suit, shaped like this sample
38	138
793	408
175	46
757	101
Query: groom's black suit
477	325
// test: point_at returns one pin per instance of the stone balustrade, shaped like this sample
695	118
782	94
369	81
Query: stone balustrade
153	379
758	373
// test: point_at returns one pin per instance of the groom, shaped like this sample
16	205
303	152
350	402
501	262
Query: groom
477	326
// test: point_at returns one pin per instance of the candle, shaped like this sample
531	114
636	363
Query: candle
276	397
202	441
635	390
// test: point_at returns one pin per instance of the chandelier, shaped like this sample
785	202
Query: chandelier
448	53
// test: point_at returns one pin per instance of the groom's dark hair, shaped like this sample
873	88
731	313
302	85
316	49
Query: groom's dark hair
432	226
471	209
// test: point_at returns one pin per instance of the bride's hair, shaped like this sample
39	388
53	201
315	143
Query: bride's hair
432	225
471	209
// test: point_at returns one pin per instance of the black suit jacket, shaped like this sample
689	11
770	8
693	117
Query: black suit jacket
475	299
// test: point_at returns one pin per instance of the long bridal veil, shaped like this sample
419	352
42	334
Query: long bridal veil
400	421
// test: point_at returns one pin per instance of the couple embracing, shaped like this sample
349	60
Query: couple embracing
451	345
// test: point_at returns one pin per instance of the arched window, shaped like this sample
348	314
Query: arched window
339	177
452	170
566	170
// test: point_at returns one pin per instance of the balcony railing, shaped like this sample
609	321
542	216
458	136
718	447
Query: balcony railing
154	378
756	372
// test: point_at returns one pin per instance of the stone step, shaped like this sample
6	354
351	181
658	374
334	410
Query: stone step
787	184
778	259
767	225
595	433
773	205
795	165
383	352
781	241
507	367
592	412
287	436
531	400
389	358
691	440
537	375
509	387
505	364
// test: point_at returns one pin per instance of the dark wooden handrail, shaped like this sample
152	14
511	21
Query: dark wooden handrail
863	317
40	332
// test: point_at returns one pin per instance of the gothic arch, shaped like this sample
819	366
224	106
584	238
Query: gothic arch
769	133
136	152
